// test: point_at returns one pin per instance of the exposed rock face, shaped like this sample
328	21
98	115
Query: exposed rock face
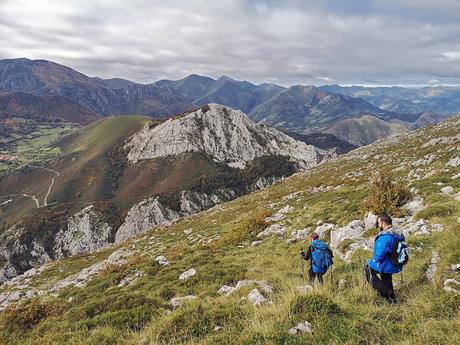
352	231
301	328
256	298
223	133
151	213
86	232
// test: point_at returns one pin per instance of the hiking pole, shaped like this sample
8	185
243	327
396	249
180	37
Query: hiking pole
302	264
332	277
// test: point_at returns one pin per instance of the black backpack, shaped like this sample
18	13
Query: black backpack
399	252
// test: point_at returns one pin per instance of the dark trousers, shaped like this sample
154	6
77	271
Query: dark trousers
312	275
382	282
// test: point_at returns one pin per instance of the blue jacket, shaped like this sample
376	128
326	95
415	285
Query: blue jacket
383	245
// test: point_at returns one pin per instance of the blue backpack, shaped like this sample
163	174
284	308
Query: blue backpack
321	258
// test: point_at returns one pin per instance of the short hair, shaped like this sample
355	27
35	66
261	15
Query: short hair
314	236
386	219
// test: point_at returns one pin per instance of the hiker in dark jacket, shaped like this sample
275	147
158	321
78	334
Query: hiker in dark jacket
320	256
379	270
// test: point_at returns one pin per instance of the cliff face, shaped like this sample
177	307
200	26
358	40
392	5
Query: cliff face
223	133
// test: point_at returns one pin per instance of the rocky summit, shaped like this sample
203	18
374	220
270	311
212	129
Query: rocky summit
225	134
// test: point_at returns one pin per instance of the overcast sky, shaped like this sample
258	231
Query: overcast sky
287	42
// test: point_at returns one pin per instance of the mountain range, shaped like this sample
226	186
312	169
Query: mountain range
301	109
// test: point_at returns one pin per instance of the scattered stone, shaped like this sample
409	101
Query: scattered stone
455	267
301	328
218	328
323	228
70	299
433	267
188	231
353	230
453	162
370	220
162	260
274	229
256	298
263	285
450	289
187	274
342	283
414	205
447	190
437	227
177	302
301	234
304	288
280	214
256	243
417	228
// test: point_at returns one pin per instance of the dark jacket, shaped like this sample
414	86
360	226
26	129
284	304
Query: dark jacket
383	246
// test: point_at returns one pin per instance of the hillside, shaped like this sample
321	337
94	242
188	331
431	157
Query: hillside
307	109
195	281
121	176
365	129
106	97
43	109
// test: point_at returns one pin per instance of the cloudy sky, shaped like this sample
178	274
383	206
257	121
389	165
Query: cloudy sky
382	42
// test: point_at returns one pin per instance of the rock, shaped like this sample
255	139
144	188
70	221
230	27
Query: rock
304	288
323	228
370	220
353	230
256	243
447	190
225	290
162	260
70	299
291	241
263	285
361	243
301	234
86	232
30	273
218	328
273	229
280	214
256	298
343	282
453	162
301	328
414	205
187	274
437	227
188	231
450	289
227	135
455	267
433	267
417	228
177	302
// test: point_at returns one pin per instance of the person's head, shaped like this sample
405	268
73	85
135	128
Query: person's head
384	222
314	236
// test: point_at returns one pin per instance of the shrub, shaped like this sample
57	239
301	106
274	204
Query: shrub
246	230
29	315
387	194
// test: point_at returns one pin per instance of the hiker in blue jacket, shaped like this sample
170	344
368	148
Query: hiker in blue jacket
320	256
379	270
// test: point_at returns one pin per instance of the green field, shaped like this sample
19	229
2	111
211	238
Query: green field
141	313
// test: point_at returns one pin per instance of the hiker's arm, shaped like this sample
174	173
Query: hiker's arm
330	251
307	255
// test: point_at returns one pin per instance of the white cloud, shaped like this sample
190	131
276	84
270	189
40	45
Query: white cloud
281	41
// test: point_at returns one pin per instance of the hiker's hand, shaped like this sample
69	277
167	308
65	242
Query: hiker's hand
302	253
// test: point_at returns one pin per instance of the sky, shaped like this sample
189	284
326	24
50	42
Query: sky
366	42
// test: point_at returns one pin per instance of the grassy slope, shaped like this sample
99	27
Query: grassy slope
102	313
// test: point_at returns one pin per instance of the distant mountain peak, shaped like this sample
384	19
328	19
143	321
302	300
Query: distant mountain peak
225	134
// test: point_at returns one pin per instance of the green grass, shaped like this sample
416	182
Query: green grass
102	313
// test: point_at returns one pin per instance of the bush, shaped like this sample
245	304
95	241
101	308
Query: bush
29	315
246	230
387	194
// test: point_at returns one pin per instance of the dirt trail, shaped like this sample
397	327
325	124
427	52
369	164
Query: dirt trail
34	197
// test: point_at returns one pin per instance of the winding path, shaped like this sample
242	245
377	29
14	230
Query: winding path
34	197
